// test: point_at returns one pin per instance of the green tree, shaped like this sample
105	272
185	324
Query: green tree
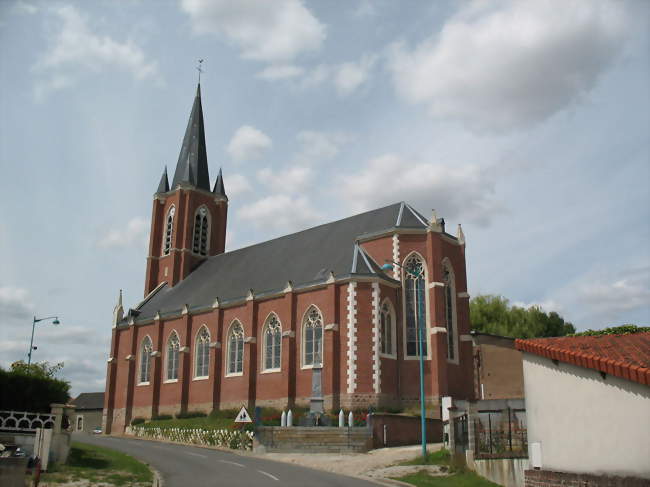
32	387
494	315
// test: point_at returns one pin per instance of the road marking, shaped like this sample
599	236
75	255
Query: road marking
232	463
268	475
196	454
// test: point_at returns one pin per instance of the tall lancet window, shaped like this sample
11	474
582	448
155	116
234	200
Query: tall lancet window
312	333
236	349
387	324
169	227
450	309
272	334
414	289
173	347
202	353
145	360
201	232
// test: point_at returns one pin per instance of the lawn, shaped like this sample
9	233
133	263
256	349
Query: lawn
99	465
459	476
203	423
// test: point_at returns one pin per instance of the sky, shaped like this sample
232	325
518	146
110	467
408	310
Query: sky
526	121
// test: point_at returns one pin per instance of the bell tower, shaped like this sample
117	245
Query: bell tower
188	220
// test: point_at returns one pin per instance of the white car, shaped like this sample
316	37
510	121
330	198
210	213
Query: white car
97	431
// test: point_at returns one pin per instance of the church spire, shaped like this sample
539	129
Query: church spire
219	189
192	165
163	185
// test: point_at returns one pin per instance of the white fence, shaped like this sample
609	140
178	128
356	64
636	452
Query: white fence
25	421
234	439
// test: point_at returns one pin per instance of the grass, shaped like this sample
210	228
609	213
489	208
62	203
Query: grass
465	479
96	465
439	457
460	476
203	423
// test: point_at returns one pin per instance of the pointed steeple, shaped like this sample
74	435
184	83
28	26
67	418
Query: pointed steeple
118	311
192	165
219	189
163	185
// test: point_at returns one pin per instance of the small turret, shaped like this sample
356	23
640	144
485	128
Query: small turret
118	311
460	235
219	189
163	185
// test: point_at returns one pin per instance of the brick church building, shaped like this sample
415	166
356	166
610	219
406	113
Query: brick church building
223	329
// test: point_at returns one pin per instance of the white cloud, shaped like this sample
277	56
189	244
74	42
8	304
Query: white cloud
75	48
15	303
281	71
264	31
350	76
547	305
613	294
463	193
237	184
280	212
504	65
320	145
135	232
291	179
346	77
248	143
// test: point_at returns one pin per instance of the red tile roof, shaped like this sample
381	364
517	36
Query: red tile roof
625	356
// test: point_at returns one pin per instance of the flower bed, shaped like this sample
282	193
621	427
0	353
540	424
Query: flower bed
235	439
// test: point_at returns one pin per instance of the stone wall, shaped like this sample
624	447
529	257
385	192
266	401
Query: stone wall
313	439
546	478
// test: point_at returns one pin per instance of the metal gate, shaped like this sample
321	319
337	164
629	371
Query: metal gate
461	435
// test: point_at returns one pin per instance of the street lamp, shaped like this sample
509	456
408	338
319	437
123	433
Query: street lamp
31	342
419	319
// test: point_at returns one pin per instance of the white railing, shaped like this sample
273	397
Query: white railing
25	421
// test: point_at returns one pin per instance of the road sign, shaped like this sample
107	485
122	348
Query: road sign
243	416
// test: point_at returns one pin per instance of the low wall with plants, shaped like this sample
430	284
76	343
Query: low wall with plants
236	439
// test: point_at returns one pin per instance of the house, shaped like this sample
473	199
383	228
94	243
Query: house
588	409
221	329
88	409
498	367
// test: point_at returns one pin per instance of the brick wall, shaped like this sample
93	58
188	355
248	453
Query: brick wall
403	430
546	478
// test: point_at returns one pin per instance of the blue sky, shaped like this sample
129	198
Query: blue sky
527	122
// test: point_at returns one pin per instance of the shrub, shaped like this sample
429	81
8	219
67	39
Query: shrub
223	413
32	388
191	414
162	417
135	421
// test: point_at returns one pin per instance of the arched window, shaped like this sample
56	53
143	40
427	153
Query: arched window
415	301
201	232
167	241
272	336
202	353
386	328
145	360
173	347
312	333
236	349
450	311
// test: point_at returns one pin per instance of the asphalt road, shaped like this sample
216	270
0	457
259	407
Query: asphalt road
188	466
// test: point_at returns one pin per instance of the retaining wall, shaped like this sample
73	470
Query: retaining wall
313	439
402	430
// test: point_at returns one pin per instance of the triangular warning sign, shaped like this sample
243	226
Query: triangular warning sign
243	416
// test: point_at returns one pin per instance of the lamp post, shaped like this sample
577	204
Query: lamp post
31	342
389	265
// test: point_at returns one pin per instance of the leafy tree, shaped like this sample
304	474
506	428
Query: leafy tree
494	315
32	387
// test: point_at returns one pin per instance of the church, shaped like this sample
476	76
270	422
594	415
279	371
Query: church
221	329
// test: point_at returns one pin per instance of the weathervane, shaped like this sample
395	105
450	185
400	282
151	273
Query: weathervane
199	69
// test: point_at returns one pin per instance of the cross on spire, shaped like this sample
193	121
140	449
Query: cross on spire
199	68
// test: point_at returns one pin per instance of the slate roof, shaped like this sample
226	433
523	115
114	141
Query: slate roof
625	356
192	165
304	258
89	400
